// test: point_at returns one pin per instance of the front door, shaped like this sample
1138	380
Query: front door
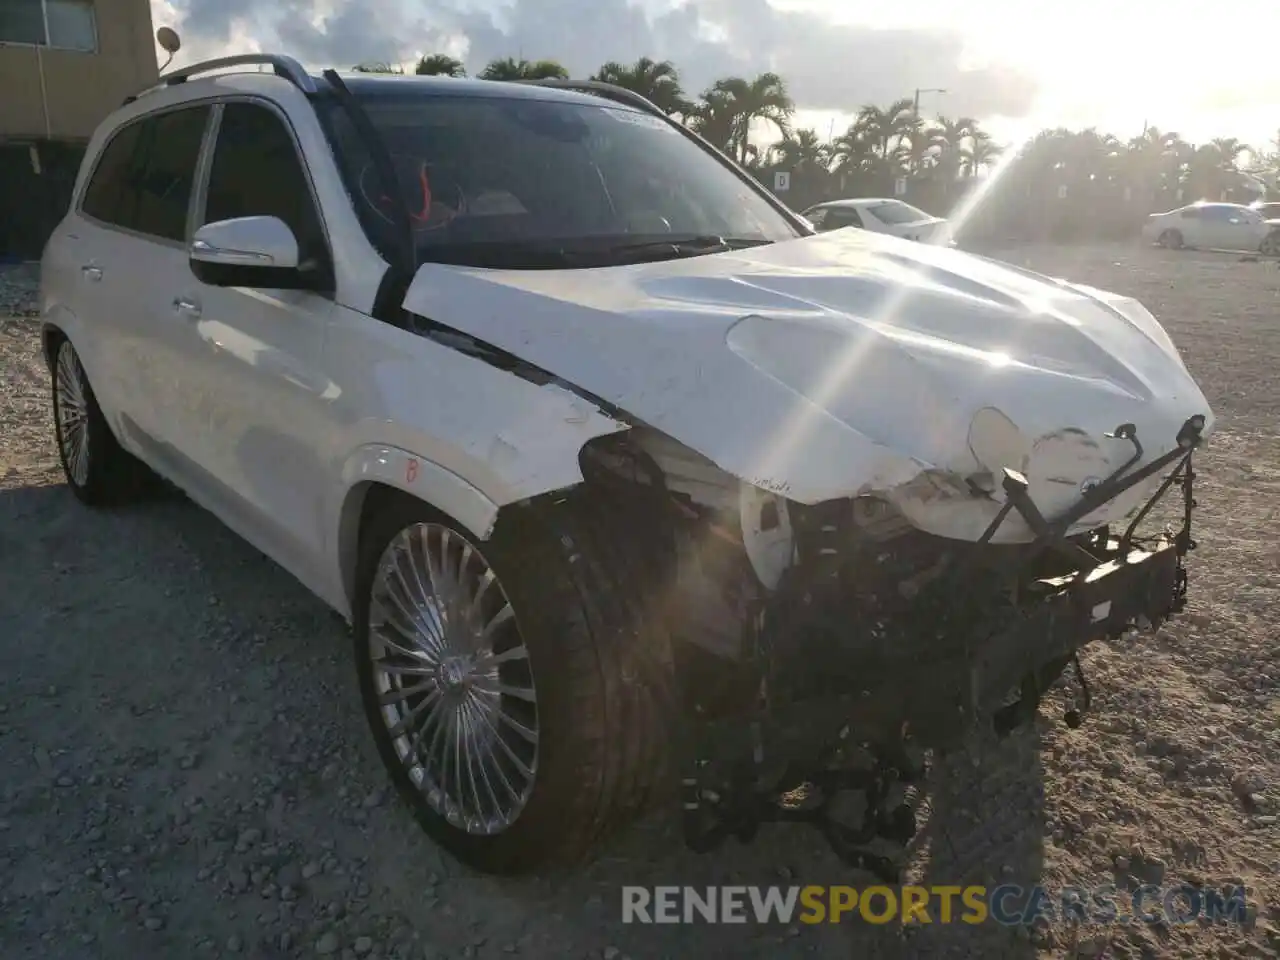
256	413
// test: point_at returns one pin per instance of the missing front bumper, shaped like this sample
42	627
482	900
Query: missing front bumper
996	620
819	693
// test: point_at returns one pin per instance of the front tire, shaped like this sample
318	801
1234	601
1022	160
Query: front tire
98	470
518	689
1171	239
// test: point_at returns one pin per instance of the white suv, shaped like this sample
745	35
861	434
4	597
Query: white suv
596	445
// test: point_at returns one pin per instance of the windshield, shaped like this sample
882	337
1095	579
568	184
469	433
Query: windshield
523	177
895	211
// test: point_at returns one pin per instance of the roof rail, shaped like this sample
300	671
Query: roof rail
281	65
610	91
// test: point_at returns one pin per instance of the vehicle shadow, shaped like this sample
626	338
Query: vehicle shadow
172	577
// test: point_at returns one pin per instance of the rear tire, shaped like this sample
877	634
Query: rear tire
596	663
1171	239
98	470
1271	244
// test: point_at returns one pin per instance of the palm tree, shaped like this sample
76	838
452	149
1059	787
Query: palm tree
1270	160
881	128
715	118
1229	149
803	151
440	65
764	98
981	152
948	138
657	82
508	68
1154	161
852	152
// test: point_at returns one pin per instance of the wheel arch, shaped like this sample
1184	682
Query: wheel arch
51	337
377	474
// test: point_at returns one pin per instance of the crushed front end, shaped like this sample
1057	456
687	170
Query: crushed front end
879	643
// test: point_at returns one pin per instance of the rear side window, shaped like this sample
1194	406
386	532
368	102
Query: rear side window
144	179
843	217
256	172
104	197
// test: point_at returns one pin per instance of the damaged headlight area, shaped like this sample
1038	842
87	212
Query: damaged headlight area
824	649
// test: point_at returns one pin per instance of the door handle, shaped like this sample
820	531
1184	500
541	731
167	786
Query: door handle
186	306
91	272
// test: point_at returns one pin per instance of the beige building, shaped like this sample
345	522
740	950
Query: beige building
65	64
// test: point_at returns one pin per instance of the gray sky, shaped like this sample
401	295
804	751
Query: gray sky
1114	64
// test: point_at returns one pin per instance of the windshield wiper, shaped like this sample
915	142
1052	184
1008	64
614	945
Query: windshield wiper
692	245
561	253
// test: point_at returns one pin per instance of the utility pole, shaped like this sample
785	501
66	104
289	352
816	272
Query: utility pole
915	113
915	103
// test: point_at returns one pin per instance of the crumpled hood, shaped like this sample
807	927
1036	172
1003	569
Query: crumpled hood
848	363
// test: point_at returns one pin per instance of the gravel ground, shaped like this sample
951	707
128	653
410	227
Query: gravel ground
187	773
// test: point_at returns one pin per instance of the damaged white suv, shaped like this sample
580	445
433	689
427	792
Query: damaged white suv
627	482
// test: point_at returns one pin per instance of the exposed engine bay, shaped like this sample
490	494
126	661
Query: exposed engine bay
809	634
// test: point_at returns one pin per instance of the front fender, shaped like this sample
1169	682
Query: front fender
420	478
403	470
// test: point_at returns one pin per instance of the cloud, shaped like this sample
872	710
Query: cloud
830	66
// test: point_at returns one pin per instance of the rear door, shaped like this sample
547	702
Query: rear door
131	238
1195	229
82	271
1224	227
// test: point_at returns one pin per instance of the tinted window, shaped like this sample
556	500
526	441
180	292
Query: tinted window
170	148
256	172
1223	214
144	178
522	172
105	196
894	211
843	217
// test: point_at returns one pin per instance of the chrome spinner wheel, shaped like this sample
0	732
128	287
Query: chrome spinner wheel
72	412
454	683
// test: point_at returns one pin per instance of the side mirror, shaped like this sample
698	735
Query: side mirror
252	252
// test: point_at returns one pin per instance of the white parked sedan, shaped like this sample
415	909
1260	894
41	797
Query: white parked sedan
1214	226
879	215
